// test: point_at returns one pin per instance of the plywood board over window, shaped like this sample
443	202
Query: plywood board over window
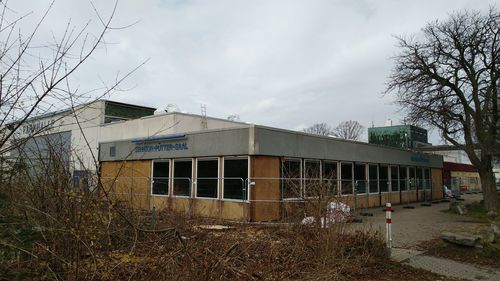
437	183
265	193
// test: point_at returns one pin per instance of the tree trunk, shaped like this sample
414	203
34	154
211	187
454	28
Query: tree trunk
488	186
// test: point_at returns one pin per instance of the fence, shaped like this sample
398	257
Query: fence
262	199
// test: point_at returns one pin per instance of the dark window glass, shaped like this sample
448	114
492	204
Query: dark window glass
330	176
160	177
235	175
112	151
312	169
419	178
411	176
373	176
329	170
291	178
312	176
383	178
182	177
346	178
403	182
207	177
394	178
360	178
427	179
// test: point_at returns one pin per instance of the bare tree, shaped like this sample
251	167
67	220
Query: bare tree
321	129
35	78
448	77
234	117
349	130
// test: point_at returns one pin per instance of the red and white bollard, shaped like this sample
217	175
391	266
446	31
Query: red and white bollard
388	226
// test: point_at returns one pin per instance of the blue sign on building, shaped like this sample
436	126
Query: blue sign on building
161	147
420	159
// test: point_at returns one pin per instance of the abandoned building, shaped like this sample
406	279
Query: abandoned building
221	168
255	173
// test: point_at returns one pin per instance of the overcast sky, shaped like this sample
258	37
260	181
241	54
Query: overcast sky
287	64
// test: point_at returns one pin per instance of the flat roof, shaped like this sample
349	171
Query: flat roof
128	104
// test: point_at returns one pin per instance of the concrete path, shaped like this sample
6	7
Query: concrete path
444	267
411	227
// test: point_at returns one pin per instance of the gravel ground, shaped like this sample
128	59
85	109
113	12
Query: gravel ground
411	227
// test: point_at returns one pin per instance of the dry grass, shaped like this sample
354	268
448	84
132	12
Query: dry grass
52	230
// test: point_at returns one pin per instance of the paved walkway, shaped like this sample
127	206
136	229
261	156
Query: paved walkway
445	267
411	227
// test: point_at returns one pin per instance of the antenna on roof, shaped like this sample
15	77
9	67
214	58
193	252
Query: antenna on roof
204	123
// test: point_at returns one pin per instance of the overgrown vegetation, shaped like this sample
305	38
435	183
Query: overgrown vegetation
53	229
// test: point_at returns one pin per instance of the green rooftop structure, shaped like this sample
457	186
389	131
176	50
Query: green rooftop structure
400	136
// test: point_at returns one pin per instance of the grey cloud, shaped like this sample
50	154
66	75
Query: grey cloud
281	63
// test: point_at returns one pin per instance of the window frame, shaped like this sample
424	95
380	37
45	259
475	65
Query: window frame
394	179
217	197
168	178
366	174
428	183
245	181
282	178
306	177
370	179
336	180
191	191
387	180
406	179
414	178
342	180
